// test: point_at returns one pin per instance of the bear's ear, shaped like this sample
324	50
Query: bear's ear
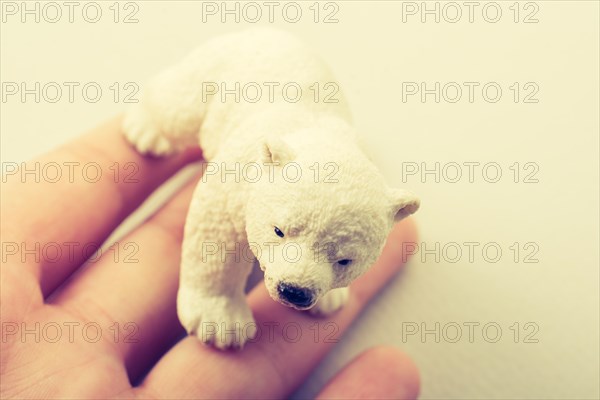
404	203
275	150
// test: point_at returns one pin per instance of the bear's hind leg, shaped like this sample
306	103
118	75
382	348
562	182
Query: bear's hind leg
169	114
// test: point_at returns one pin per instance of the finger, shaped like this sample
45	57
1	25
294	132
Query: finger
378	373
74	197
279	359
135	291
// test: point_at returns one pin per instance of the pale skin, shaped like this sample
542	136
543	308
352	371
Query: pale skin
114	291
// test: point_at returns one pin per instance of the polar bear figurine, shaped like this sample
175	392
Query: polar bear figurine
285	183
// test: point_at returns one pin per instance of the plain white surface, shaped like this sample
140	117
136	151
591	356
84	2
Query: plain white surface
372	52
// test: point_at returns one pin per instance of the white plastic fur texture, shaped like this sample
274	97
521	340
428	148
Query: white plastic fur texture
305	202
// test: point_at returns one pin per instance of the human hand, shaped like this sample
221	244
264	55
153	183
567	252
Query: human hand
114	322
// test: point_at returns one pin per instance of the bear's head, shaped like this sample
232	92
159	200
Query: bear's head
318	219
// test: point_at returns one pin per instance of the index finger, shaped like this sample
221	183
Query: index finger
290	344
58	209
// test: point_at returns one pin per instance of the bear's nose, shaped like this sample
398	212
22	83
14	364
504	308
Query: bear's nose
297	296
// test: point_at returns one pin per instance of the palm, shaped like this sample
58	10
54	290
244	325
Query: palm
111	330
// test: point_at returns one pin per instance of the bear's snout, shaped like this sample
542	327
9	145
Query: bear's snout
296	296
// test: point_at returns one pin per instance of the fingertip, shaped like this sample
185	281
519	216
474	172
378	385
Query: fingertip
400	368
382	372
405	231
191	154
394	256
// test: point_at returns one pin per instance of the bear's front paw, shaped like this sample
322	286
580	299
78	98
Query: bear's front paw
219	321
331	302
141	131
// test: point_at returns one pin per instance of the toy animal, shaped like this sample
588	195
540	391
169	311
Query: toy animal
285	182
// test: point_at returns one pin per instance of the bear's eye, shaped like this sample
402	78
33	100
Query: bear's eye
345	262
278	232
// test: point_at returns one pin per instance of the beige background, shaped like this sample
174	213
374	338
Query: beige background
372	51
